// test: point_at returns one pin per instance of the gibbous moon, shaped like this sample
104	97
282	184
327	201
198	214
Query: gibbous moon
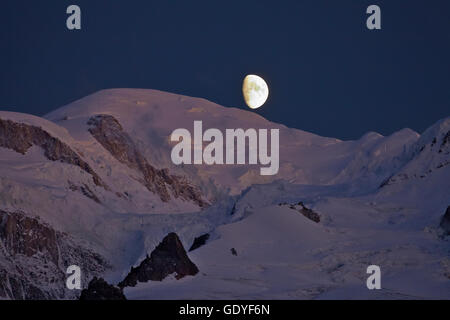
255	91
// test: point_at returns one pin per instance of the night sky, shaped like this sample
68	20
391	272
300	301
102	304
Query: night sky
327	72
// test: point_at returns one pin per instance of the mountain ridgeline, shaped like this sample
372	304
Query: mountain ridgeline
93	184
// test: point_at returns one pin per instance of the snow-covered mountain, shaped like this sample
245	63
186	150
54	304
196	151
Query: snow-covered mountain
150	117
99	172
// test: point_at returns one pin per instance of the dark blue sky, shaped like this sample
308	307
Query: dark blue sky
327	73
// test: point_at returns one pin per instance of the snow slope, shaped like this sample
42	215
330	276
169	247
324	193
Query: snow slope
283	255
117	193
151	116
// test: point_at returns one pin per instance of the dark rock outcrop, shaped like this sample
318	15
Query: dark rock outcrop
99	289
17	288
169	257
85	190
199	241
33	258
110	134
24	235
233	210
445	222
20	137
307	212
445	142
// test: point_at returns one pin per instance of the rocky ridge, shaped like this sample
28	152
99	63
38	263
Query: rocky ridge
20	137
110	134
169	257
34	258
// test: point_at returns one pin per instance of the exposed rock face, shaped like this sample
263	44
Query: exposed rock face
27	236
110	134
307	212
34	258
85	190
445	222
445	142
169	257
99	289
15	287
199	241
20	137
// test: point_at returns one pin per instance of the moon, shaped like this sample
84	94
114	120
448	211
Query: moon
255	91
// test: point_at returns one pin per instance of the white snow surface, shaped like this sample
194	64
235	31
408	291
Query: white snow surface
280	253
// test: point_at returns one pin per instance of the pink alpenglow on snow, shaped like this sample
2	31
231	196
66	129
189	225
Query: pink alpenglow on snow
213	153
